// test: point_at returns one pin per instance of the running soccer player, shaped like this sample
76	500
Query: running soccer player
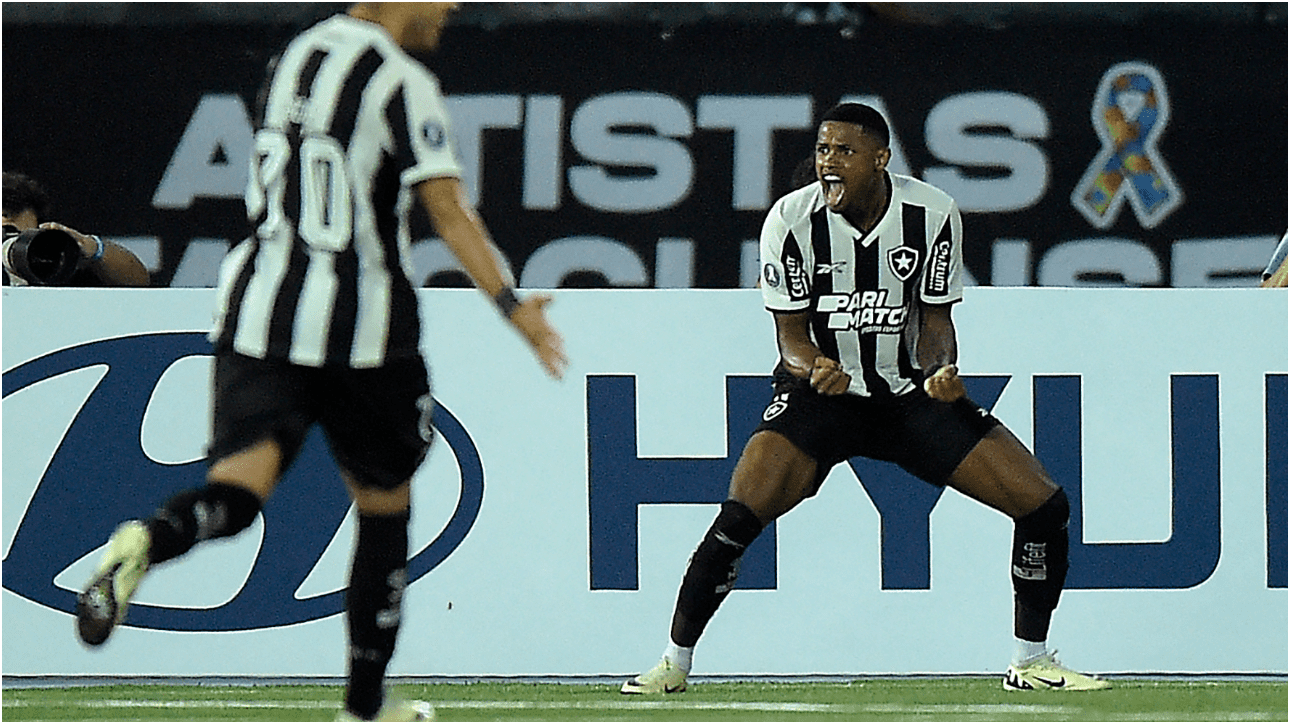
860	271
318	321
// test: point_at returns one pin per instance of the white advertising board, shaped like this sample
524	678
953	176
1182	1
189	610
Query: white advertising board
554	519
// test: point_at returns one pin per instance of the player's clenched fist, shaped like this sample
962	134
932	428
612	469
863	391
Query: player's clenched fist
827	377
945	385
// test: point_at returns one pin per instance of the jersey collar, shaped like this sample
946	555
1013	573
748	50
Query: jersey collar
860	237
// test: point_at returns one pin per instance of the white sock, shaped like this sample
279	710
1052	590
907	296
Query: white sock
1027	650
682	657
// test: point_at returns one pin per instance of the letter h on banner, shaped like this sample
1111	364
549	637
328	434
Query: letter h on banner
619	481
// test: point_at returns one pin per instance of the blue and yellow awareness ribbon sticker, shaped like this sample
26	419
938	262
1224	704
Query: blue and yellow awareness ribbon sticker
1130	112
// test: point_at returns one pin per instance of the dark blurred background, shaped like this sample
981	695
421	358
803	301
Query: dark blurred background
640	144
497	14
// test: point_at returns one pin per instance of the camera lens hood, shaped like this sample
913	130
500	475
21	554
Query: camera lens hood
42	257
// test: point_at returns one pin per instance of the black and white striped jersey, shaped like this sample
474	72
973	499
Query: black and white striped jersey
349	123
862	289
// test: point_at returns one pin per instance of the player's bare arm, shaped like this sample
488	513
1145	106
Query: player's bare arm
938	352
466	236
803	358
464	232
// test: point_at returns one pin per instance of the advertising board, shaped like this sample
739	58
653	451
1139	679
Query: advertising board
553	520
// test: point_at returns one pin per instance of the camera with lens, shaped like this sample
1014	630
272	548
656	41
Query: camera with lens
40	257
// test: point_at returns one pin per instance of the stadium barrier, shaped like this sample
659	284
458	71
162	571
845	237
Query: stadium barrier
553	520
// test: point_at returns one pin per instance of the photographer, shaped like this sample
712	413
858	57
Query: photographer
42	253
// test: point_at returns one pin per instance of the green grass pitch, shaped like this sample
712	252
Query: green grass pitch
869	699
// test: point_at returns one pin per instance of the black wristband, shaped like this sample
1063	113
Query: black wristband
506	301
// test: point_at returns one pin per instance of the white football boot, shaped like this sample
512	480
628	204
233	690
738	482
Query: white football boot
104	602
1046	672
396	710
666	678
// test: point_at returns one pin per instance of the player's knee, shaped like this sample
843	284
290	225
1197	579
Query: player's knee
737	525
377	501
218	510
1040	554
241	505
1053	515
722	547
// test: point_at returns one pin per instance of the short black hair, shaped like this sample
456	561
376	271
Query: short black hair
21	192
864	116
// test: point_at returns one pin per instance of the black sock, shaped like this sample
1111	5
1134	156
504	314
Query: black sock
378	575
217	510
712	571
1040	548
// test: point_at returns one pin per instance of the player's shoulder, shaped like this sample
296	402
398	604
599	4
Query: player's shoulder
343	29
912	190
339	29
798	204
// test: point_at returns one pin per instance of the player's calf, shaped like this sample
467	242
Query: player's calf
713	569
1040	549
217	510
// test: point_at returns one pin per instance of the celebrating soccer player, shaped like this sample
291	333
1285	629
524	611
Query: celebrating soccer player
860	270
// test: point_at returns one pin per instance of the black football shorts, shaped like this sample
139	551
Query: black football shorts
376	420
926	437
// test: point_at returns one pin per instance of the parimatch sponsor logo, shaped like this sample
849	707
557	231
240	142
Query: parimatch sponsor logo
865	312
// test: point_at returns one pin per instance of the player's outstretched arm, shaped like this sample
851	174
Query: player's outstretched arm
466	236
530	319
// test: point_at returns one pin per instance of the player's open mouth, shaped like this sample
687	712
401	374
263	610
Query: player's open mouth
833	189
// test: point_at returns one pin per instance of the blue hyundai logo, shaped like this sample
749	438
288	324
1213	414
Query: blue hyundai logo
100	475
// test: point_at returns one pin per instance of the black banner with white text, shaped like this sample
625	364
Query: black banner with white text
643	157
